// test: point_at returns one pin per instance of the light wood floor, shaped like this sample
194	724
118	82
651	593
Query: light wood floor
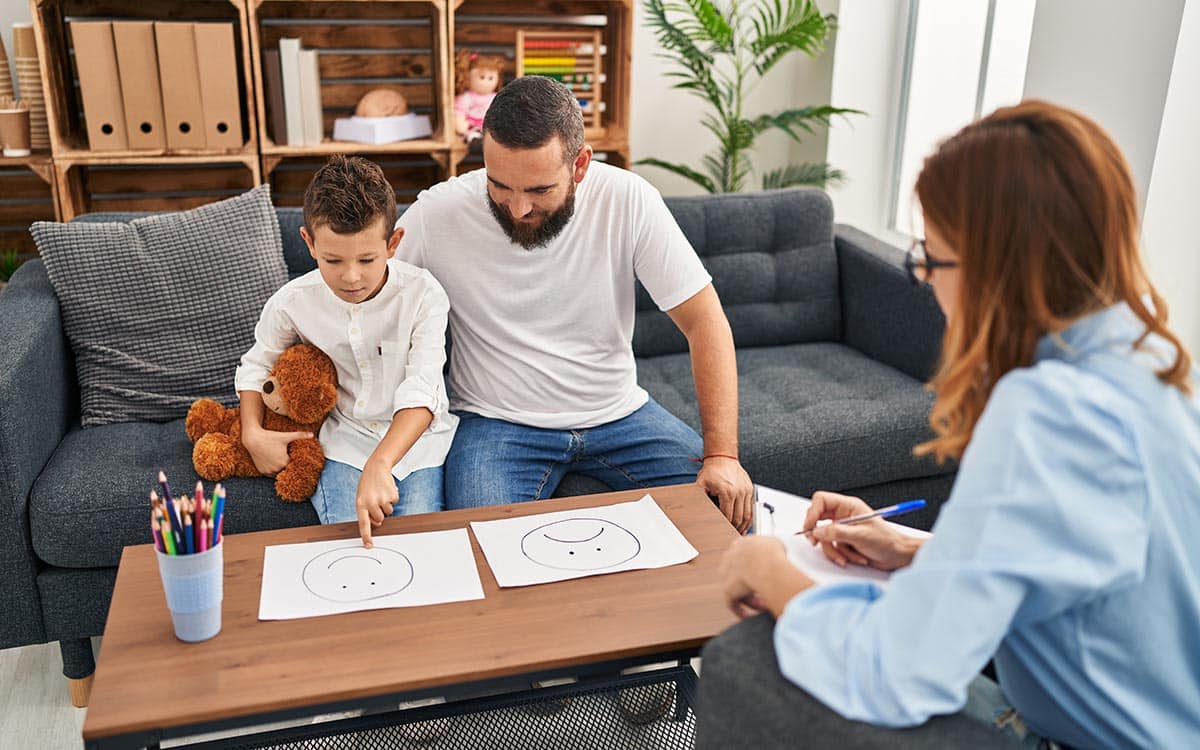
35	705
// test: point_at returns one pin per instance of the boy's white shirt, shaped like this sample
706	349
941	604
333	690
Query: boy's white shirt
389	352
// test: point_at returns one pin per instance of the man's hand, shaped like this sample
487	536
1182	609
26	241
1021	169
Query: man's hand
874	543
376	498
268	449
756	576
726	480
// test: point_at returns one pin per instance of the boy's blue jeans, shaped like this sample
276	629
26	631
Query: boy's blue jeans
493	462
334	500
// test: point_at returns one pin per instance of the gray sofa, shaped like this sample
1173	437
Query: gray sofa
833	345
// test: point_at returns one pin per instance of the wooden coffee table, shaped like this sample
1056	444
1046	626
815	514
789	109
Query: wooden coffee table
150	687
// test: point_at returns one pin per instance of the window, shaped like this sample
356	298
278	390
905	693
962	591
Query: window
963	59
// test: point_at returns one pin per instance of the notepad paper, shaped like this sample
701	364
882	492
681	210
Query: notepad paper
401	570
583	542
788	518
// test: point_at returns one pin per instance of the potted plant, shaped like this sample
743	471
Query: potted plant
721	51
9	261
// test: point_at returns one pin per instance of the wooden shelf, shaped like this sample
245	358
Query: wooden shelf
362	44
64	109
28	195
400	44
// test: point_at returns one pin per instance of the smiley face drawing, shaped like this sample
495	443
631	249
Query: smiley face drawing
354	574
580	544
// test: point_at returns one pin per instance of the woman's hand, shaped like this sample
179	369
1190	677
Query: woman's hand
757	576
874	543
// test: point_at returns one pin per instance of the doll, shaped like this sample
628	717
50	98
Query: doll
477	79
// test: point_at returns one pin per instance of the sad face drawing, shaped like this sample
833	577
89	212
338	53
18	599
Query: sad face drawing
354	574
580	544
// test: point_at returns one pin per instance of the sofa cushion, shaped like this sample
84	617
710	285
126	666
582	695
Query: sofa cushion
811	416
773	263
110	471
158	310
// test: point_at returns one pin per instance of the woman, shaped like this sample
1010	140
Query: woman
1070	546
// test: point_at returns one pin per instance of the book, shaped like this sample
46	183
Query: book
310	98
273	96
376	130
289	67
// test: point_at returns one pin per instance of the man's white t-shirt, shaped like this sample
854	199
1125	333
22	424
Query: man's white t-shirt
543	337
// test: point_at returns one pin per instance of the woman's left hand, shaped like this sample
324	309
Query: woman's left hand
757	576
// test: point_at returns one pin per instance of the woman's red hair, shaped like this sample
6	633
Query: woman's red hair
1039	204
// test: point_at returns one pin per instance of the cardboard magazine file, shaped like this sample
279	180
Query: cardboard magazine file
141	93
183	109
219	90
99	85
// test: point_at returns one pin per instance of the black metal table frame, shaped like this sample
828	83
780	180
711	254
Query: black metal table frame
461	699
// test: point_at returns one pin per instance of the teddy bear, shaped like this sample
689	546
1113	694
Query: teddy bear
299	393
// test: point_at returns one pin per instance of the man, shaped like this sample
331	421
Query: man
539	253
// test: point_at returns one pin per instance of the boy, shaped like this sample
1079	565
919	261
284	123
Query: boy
383	323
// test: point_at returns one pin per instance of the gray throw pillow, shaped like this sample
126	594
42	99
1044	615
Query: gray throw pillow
158	310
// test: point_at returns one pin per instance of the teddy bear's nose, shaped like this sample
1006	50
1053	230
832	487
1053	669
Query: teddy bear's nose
268	387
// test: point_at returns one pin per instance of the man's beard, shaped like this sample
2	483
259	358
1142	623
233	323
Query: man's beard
530	236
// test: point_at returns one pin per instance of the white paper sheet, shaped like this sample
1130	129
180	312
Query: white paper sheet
788	518
584	542
402	570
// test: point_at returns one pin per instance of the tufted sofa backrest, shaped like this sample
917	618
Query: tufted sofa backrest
773	263
771	256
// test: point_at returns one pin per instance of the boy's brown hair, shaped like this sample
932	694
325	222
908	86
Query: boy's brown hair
349	194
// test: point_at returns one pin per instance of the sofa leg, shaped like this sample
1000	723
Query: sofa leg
78	666
81	691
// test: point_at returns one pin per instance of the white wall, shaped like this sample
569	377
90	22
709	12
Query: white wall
1111	60
1169	230
664	122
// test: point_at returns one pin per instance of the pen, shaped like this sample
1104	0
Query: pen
891	510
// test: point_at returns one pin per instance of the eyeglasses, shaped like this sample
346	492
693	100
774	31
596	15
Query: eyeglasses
921	265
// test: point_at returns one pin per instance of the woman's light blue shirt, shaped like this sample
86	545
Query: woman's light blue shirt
1069	549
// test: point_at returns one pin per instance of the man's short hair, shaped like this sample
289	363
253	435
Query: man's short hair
349	194
531	110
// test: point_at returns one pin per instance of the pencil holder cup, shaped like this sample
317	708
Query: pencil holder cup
194	588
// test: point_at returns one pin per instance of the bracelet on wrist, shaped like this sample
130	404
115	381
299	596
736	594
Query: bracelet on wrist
719	455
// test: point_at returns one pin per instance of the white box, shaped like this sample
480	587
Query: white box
377	130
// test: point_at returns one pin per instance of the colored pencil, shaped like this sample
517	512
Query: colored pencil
189	540
158	542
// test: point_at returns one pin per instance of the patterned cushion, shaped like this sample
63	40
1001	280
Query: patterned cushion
158	310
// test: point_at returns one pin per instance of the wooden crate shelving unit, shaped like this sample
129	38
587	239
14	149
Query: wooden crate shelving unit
402	44
148	183
64	110
408	173
26	195
492	25
362	44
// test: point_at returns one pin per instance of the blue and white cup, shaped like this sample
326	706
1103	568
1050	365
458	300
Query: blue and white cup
194	585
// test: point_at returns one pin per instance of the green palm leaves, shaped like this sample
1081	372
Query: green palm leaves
720	52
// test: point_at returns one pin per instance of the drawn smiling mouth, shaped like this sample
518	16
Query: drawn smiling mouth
575	541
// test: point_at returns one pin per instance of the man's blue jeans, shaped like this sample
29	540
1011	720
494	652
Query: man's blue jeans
337	489
493	462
